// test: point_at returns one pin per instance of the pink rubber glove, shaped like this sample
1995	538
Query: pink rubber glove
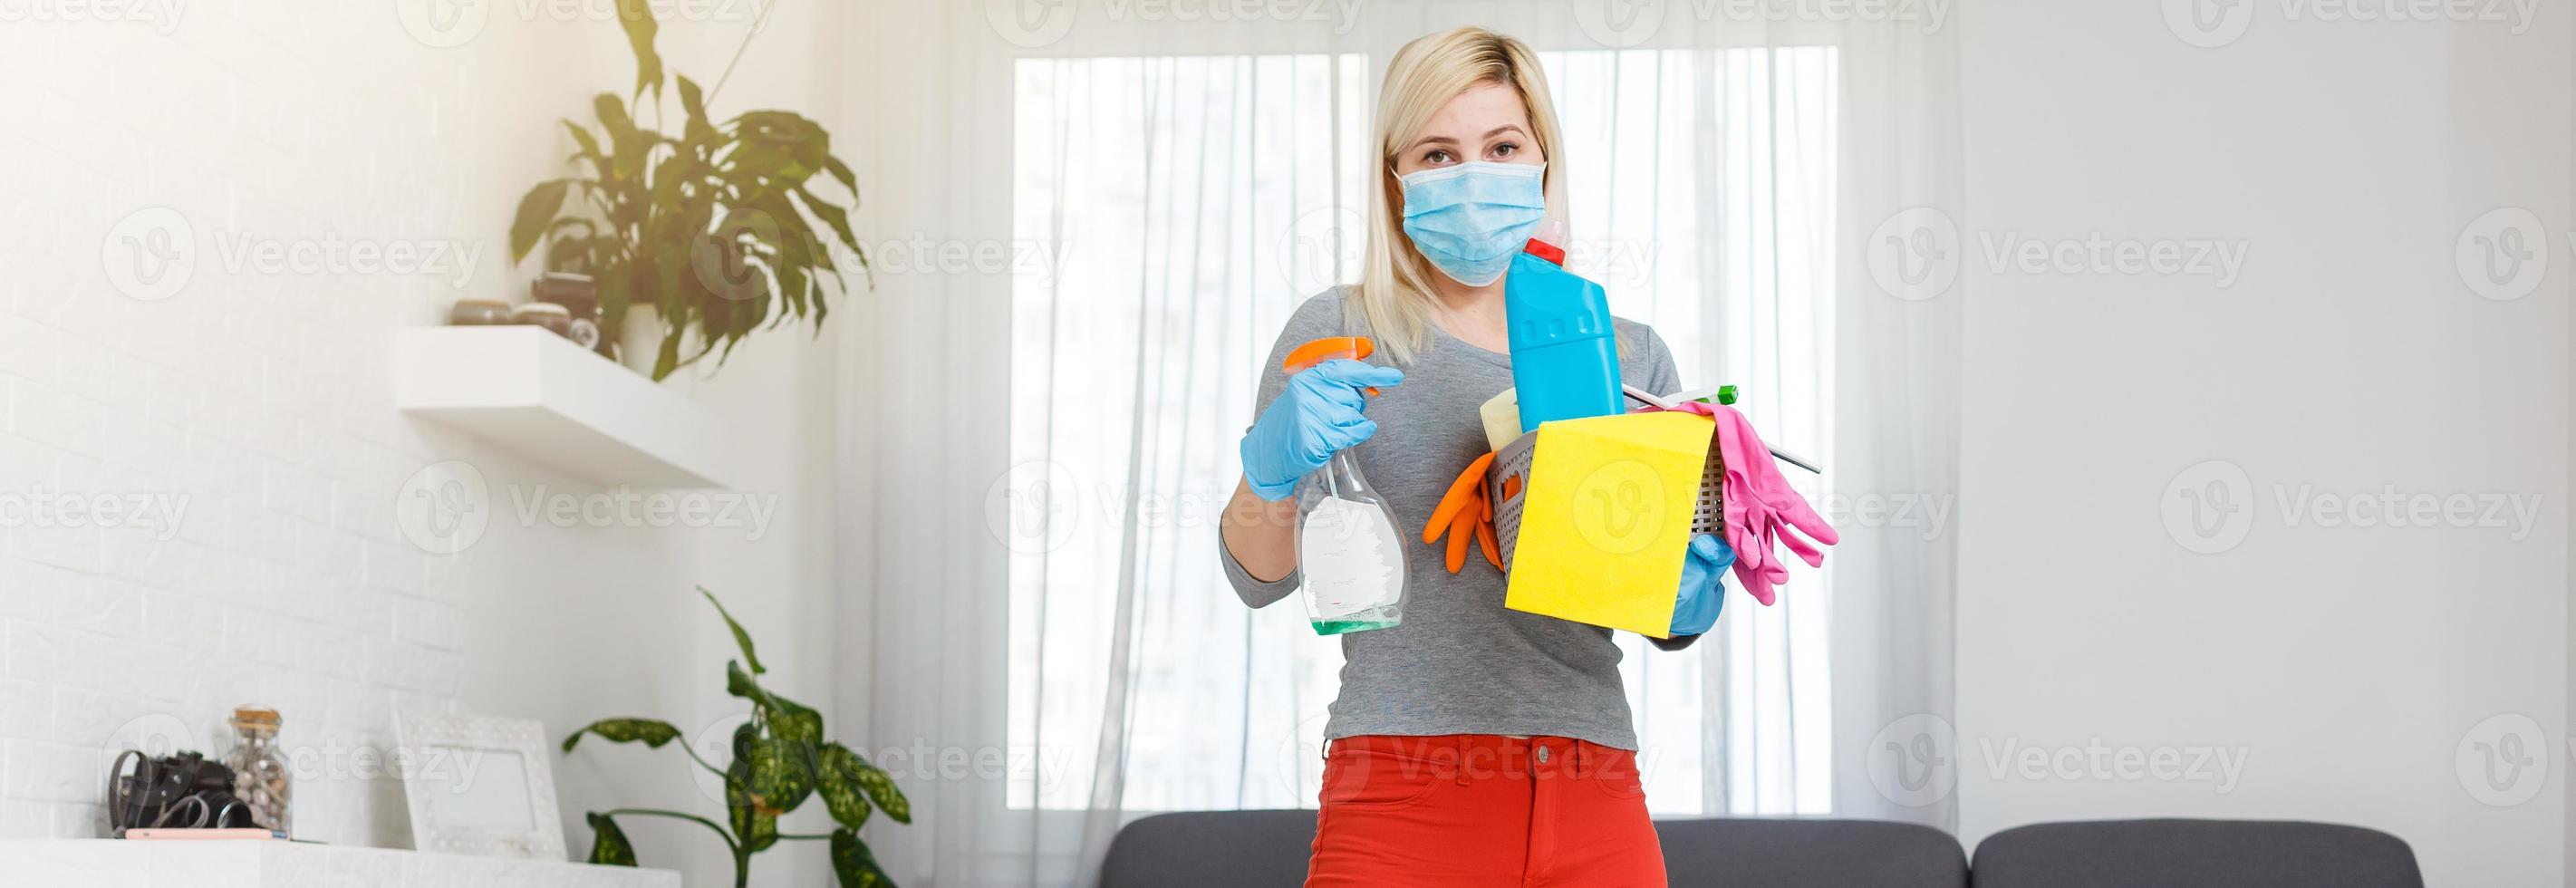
1761	508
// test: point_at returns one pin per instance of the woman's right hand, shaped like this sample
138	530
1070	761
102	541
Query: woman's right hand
1317	415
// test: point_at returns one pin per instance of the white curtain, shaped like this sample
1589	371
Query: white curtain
1090	229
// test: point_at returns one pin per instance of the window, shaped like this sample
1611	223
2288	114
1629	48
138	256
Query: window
1189	204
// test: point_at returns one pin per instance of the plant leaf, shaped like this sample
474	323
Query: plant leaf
754	825
854	865
840	787
609	846
650	732
694	105
740	637
785	718
782	774
852	769
535	210
636	16
589	146
841	172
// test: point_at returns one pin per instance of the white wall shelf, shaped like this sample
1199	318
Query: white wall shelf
537	394
110	863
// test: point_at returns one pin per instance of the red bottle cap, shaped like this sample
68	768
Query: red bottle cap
1545	250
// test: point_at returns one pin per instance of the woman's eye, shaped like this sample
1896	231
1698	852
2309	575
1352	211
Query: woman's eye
1506	149
1437	155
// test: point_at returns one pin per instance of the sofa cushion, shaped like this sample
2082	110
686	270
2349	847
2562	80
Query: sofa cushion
1810	854
2200	853
1199	849
1268	849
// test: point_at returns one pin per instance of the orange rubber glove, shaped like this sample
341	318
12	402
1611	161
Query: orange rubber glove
1466	514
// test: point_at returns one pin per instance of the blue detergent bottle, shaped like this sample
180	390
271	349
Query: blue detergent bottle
1565	357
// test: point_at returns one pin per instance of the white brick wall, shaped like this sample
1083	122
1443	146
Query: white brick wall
256	398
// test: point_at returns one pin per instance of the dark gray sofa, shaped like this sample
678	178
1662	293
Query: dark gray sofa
1267	849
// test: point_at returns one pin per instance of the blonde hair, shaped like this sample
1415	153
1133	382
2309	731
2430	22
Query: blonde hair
1395	295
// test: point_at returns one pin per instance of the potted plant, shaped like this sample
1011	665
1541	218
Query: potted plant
780	760
718	230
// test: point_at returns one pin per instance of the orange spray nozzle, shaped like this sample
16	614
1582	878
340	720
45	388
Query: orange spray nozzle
1328	348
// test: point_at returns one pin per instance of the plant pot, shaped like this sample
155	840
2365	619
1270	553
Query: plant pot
639	338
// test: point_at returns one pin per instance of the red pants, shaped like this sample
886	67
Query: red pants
1481	811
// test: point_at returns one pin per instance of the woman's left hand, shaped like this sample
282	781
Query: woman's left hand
1703	589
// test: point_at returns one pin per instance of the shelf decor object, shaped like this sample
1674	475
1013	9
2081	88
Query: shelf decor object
479	785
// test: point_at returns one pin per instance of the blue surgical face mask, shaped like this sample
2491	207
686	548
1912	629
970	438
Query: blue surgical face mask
1470	218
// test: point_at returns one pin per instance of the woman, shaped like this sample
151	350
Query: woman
1471	745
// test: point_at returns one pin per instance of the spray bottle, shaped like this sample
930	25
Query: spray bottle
1353	561
1565	356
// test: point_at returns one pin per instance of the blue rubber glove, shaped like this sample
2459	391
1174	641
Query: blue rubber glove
1317	415
1703	588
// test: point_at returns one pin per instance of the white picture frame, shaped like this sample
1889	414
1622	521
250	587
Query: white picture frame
479	785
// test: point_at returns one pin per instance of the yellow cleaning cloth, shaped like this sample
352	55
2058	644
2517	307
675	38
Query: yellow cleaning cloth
1607	519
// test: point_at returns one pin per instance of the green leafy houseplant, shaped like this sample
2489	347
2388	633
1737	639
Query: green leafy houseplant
780	759
714	229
